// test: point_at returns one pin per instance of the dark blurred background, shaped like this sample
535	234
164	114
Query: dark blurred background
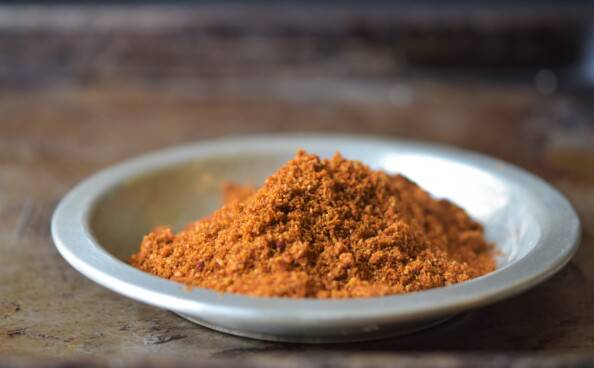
84	85
496	76
548	43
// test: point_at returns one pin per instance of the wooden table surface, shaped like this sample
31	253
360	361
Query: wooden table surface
56	131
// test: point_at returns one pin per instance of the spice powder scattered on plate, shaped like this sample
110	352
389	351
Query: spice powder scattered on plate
323	229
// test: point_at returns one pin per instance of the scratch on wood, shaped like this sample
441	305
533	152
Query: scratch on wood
55	338
22	221
161	339
16	332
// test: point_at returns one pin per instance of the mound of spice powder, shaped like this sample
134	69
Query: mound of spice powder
323	229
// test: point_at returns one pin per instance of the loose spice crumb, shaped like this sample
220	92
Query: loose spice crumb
323	229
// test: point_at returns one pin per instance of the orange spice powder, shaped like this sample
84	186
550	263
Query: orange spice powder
323	229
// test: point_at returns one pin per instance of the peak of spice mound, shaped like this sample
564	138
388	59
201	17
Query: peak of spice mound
323	229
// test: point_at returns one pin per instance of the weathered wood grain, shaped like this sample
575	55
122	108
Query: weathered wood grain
57	129
51	138
326	361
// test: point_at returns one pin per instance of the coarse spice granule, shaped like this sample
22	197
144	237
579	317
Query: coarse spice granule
323	229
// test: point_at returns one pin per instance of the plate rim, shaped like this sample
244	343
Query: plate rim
74	240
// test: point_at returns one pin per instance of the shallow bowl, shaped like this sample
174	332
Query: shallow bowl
100	223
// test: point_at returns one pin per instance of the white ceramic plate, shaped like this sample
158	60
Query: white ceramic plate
100	223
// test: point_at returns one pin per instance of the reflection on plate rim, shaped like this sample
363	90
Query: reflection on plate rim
73	239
